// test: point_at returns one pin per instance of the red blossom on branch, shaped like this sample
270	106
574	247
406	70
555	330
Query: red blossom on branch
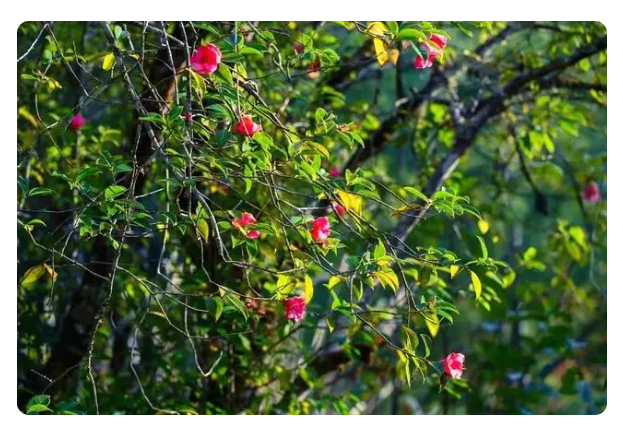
295	308
77	122
246	126
206	59
453	365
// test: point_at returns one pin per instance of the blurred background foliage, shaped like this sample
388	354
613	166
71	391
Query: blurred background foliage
513	117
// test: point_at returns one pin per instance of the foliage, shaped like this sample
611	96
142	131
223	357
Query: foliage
160	244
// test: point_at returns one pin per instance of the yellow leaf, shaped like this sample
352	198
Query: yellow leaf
432	323
33	274
378	29
23	111
309	289
405	208
454	270
203	228
351	202
476	283
51	272
109	61
394	54
388	277
333	281
483	226
158	313
322	150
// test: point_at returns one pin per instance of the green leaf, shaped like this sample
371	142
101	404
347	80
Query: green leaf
410	34
36	408
238	304
37	191
379	250
113	192
427	342
203	228
224	73
416	193
219	308
483	247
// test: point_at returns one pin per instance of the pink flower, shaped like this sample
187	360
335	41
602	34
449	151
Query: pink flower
206	59
246	219
299	48
250	304
339	209
77	122
439	40
591	192
246	127
453	365
433	52
334	171
295	308
420	63
321	229
189	117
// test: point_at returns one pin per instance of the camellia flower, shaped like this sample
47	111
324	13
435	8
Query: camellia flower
339	209
299	48
313	70
295	308
433	52
439	40
246	127
591	192
246	219
321	229
77	122
453	365
334	171
440	43
420	63
206	59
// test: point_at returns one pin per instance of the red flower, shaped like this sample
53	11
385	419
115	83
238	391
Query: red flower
339	209
77	122
453	365
591	192
246	127
433	52
206	59
299	48
439	40
250	304
420	63
295	308
246	219
313	70
321	229
188	117
334	171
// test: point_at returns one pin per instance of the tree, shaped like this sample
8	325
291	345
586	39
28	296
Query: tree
265	217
